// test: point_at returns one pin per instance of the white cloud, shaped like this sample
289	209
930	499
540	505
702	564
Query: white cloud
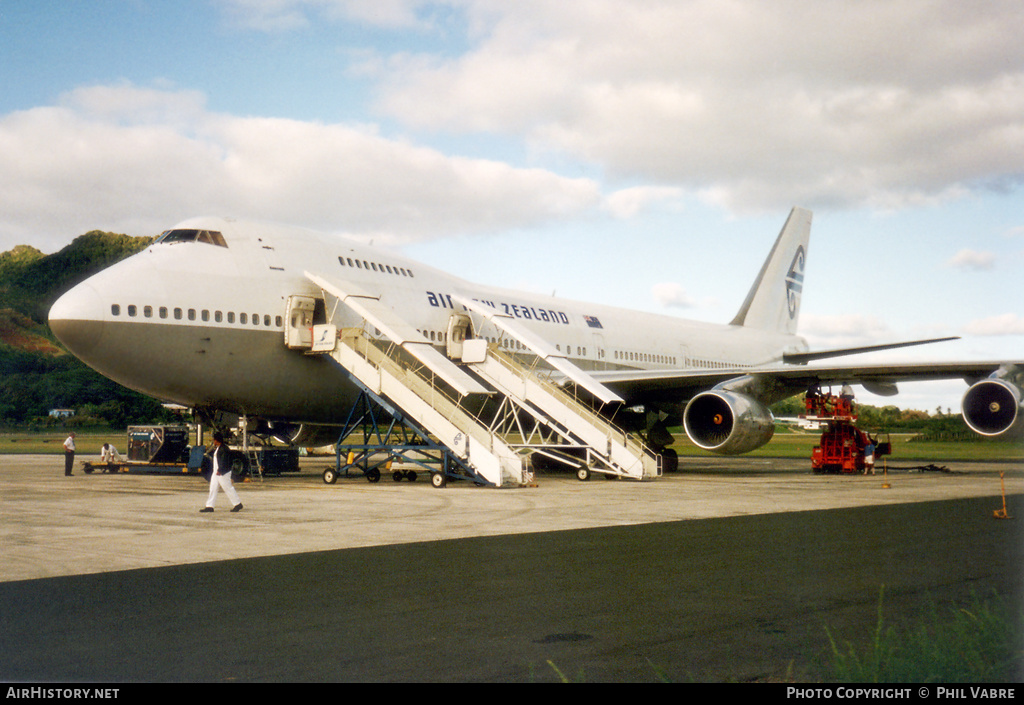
847	330
672	295
1005	324
755	105
628	202
140	159
973	260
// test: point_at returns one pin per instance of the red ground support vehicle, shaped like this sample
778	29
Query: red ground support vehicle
841	448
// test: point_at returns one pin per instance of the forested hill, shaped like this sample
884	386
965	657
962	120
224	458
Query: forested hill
30	281
36	373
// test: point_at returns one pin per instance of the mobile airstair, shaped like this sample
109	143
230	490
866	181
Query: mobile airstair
381	371
563	427
490	413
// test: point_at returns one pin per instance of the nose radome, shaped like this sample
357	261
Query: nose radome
76	318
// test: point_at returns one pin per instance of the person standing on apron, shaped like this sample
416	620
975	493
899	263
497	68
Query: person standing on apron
220	476
69	454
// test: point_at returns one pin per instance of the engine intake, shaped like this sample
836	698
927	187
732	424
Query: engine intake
728	423
993	407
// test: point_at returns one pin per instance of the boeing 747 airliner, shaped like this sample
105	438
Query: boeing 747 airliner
209	317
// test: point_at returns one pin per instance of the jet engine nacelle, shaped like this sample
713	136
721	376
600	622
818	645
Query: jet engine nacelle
993	407
727	422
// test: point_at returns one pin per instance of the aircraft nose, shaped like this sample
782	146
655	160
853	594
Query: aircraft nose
76	319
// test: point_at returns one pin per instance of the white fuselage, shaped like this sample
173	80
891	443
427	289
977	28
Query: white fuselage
202	324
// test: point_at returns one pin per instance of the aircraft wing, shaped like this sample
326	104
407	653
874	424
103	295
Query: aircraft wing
779	381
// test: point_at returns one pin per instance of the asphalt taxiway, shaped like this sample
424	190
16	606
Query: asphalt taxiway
730	570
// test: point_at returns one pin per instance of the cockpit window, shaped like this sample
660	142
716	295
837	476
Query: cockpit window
210	237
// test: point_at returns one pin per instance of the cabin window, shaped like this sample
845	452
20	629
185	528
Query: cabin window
266	320
231	316
210	237
218	316
177	314
132	310
206	315
147	311
243	318
163	312
191	314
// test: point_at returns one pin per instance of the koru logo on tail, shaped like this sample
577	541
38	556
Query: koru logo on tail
795	281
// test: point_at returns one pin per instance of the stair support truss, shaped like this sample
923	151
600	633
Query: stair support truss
376	435
412	392
483	415
548	420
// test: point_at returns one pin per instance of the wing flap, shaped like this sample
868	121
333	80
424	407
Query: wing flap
636	385
803	357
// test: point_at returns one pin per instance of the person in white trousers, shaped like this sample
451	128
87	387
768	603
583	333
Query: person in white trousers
220	476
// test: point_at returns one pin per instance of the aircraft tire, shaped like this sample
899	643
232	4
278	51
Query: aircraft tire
373	475
330	476
438	479
583	474
669	461
239	466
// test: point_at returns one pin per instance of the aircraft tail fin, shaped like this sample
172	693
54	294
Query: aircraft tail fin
773	302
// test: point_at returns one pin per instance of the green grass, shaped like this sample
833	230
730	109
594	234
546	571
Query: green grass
783	445
979	643
799	445
52	442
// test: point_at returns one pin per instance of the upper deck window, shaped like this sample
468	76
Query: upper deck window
210	237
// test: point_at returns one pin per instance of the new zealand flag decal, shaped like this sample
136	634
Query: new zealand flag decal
593	322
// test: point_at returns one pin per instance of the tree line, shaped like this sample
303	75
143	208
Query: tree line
937	425
36	374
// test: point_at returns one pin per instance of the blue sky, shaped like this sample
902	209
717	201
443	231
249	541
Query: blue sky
641	153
